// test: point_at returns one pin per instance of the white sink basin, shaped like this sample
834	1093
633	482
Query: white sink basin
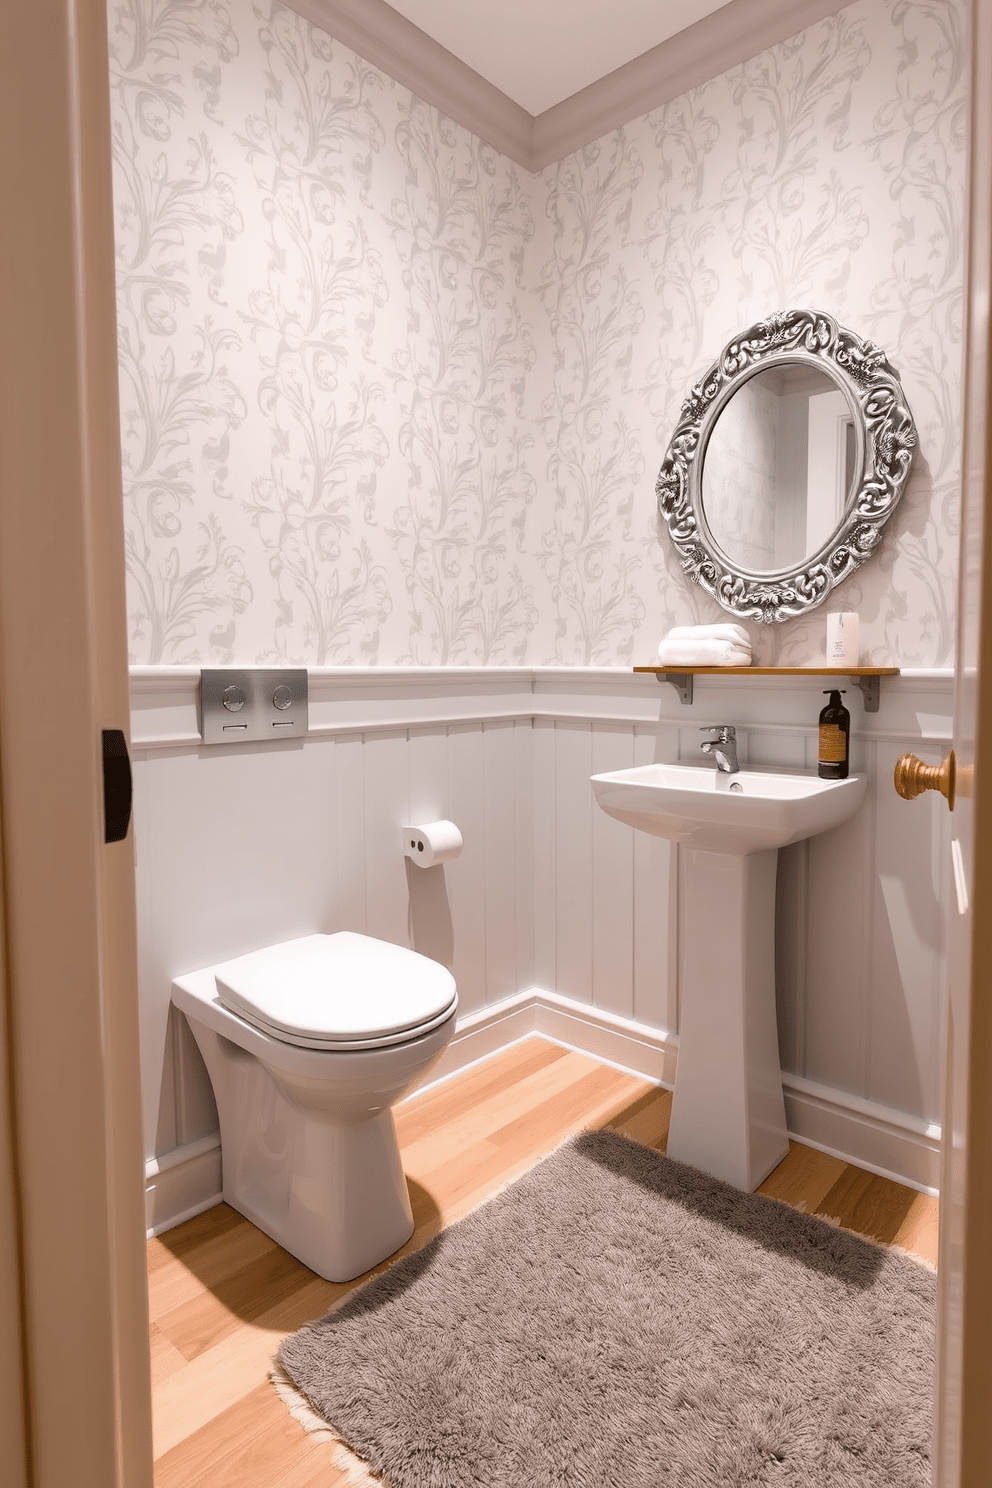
748	812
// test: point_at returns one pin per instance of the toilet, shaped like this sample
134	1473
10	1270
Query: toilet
308	1045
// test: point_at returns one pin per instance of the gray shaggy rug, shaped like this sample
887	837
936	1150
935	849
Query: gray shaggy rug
617	1320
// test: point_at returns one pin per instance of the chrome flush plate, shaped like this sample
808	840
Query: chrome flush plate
239	705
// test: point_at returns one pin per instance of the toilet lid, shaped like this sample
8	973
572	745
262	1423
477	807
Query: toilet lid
338	991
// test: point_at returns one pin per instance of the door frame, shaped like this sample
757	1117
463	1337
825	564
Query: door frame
72	1158
963	1423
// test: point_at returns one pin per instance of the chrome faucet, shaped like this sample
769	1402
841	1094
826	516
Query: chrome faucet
723	748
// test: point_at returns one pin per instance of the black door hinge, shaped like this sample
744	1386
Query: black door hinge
116	786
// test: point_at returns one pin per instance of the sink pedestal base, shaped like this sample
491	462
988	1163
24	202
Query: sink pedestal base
728	1114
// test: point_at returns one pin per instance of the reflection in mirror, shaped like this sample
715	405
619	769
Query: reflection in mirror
779	467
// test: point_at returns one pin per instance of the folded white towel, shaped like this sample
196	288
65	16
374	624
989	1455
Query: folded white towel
723	632
704	652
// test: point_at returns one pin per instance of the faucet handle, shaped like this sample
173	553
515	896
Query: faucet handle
724	732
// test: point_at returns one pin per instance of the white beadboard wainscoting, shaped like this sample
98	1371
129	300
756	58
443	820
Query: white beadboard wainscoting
555	918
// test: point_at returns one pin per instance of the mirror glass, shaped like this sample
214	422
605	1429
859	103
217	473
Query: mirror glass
779	469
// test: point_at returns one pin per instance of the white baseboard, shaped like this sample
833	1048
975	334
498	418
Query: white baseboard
636	1047
875	1137
486	1032
188	1180
183	1182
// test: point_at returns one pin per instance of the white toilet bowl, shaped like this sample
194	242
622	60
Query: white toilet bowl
308	1045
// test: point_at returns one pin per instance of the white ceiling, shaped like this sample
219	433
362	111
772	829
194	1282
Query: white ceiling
539	52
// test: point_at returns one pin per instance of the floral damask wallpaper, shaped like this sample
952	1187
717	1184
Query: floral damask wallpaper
387	398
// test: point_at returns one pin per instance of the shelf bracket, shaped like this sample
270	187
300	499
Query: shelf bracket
871	690
682	682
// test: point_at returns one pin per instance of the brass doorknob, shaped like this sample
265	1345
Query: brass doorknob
913	777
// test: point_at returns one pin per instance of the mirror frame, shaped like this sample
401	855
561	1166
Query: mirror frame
886	439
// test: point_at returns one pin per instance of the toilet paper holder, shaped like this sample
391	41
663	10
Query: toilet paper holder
431	843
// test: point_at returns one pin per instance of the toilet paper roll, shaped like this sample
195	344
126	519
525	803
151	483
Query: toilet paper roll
432	842
842	639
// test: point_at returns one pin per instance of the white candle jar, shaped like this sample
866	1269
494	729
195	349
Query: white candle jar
842	639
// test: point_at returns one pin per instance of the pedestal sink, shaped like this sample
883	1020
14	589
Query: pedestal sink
728	1114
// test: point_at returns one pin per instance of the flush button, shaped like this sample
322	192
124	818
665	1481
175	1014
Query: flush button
269	703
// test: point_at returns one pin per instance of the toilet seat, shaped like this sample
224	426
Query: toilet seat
338	992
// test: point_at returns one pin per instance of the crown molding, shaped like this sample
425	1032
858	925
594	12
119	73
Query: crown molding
389	41
718	42
737	31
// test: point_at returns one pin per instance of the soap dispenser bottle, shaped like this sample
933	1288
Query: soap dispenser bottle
835	735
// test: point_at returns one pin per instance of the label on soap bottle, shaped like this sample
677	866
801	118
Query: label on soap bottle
833	744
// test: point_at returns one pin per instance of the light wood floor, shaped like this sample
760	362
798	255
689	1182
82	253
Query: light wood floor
222	1294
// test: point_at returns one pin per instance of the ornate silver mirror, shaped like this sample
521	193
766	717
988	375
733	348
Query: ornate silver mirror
789	457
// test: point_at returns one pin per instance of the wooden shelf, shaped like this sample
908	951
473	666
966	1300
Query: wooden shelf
681	677
753	671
